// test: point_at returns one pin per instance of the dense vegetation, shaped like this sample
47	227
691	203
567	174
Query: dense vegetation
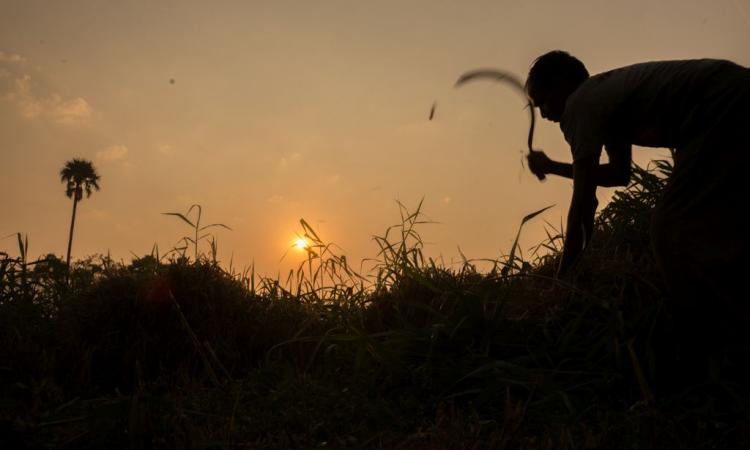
179	353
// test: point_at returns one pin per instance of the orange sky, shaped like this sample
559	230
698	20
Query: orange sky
285	110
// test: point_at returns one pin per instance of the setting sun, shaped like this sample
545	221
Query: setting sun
301	244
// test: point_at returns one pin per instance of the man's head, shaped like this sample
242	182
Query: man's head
552	78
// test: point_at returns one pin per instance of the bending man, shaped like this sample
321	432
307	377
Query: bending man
700	108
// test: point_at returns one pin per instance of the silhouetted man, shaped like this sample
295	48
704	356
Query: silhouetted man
700	108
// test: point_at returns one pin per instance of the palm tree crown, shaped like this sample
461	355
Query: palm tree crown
79	176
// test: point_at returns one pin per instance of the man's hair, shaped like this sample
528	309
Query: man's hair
554	69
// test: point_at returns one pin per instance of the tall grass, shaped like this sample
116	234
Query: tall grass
174	352
199	233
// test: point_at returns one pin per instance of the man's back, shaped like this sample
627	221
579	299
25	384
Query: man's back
653	104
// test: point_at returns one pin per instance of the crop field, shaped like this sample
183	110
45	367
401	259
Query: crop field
176	351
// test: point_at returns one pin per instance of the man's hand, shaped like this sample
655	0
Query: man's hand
539	163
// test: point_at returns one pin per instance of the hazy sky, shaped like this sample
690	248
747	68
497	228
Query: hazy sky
282	110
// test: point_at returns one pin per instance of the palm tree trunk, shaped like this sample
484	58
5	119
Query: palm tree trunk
72	224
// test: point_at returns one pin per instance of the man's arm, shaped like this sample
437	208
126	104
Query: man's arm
581	212
614	173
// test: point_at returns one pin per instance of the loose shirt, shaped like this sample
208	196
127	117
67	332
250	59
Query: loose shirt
652	104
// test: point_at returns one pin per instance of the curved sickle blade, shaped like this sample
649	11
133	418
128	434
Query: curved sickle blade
492	75
507	77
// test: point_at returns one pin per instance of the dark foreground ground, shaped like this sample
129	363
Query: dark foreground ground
182	354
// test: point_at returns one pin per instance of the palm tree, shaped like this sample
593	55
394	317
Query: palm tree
78	175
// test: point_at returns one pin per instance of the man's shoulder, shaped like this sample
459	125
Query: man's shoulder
592	92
